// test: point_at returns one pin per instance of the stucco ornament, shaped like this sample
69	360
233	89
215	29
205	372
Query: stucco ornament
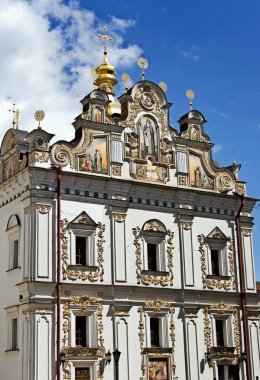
146	279
222	309
209	283
84	302
72	274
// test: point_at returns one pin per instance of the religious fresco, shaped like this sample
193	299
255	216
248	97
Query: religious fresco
95	161
11	167
40	143
149	172
147	101
195	133
97	115
167	159
131	153
198	176
148	138
158	369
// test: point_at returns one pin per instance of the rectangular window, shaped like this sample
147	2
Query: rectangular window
228	372
14	334
155	332
81	331
215	262
152	257
81	250
220	332
15	253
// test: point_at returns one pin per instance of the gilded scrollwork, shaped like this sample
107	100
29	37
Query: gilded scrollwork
209	283
146	279
72	274
43	209
246	231
155	226
186	225
157	304
116	170
61	155
41	157
119	217
85	302
182	180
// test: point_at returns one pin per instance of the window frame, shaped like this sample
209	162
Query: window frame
163	337
91	327
14	233
216	240
157	239
90	241
228	333
12	314
83	225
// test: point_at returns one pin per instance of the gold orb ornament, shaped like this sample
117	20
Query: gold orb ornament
143	64
126	80
94	73
163	86
39	116
190	95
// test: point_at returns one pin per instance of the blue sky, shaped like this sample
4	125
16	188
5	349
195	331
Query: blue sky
209	46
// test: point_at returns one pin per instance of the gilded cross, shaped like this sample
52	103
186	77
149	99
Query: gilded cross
105	37
16	114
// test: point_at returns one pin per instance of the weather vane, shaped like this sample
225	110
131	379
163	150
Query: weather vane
163	86
39	116
126	80
16	113
106	38
190	95
143	64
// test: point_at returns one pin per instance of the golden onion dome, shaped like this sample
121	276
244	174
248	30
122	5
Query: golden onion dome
106	79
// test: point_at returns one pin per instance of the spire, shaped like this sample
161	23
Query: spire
105	71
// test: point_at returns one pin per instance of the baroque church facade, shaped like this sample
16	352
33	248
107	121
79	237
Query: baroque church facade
131	238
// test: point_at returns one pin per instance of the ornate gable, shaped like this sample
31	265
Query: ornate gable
217	234
83	221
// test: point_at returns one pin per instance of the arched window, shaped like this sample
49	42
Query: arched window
13	230
154	233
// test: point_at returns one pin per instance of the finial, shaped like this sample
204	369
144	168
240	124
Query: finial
143	64
163	86
16	113
106	38
190	95
39	116
126	80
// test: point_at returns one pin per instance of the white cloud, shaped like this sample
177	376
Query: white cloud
217	148
47	50
121	24
225	115
190	54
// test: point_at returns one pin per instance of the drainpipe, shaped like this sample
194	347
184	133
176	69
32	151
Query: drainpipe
59	170
242	289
